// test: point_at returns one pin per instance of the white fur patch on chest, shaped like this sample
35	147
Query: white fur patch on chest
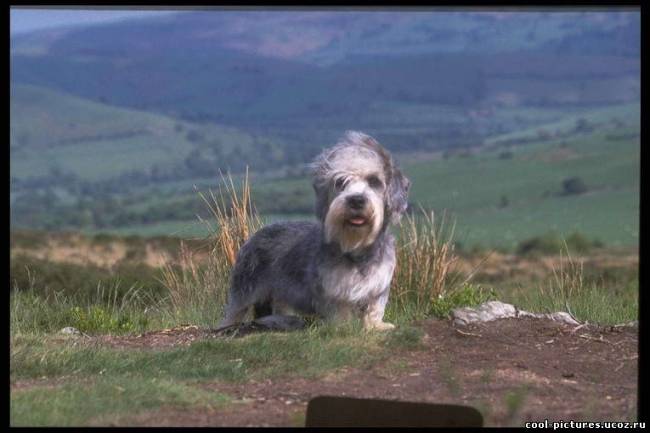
347	284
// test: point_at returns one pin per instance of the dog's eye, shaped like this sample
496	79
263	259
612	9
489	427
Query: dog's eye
375	182
339	184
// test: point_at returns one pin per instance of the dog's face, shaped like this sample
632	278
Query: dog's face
358	188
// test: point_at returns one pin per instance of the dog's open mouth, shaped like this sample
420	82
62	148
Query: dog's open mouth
357	221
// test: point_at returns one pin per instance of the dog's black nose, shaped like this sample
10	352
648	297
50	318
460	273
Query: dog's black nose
357	201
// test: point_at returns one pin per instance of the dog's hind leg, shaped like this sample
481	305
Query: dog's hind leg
235	313
261	309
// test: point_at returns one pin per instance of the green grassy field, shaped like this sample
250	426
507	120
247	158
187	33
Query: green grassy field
102	377
70	381
500	193
95	141
472	188
64	381
625	113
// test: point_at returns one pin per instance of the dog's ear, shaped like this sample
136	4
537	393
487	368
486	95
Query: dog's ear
319	170
397	195
322	194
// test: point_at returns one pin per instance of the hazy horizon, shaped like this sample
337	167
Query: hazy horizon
25	20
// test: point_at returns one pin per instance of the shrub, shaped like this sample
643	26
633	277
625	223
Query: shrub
579	243
195	289
425	259
468	295
553	243
549	243
573	186
97	318
583	125
569	291
426	281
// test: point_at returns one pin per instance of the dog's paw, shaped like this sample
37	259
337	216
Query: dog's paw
380	326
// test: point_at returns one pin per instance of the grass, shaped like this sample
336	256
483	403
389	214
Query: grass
532	182
596	300
97	401
514	402
94	380
194	293
566	122
193	287
305	353
97	141
471	188
425	281
74	382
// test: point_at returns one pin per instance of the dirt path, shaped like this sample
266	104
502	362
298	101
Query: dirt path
512	370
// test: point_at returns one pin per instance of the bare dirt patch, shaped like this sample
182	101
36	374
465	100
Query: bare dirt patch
513	370
166	338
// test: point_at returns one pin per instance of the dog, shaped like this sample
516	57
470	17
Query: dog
336	267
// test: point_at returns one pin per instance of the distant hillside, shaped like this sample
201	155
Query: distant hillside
501	193
327	37
266	69
54	134
112	125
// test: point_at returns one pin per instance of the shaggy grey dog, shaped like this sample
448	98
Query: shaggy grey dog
338	266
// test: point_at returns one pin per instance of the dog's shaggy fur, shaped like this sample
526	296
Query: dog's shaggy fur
340	265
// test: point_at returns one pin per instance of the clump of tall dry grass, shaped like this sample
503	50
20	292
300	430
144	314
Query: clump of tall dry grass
426	261
202	288
567	283
592	301
425	281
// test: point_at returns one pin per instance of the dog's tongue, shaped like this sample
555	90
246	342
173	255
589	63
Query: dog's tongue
357	221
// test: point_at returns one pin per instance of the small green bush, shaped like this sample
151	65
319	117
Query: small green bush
573	186
468	295
579	243
549	243
99	319
553	243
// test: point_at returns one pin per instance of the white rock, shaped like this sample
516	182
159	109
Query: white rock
494	310
486	312
562	316
69	330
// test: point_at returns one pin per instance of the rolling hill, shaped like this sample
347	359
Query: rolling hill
112	125
51	131
327	37
290	73
499	194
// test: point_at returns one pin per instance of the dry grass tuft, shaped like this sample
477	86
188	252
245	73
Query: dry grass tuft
426	262
567	283
202	287
425	281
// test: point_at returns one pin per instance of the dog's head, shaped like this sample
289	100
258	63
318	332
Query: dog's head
359	189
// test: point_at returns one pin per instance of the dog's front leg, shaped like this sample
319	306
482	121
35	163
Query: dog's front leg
373	315
336	311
